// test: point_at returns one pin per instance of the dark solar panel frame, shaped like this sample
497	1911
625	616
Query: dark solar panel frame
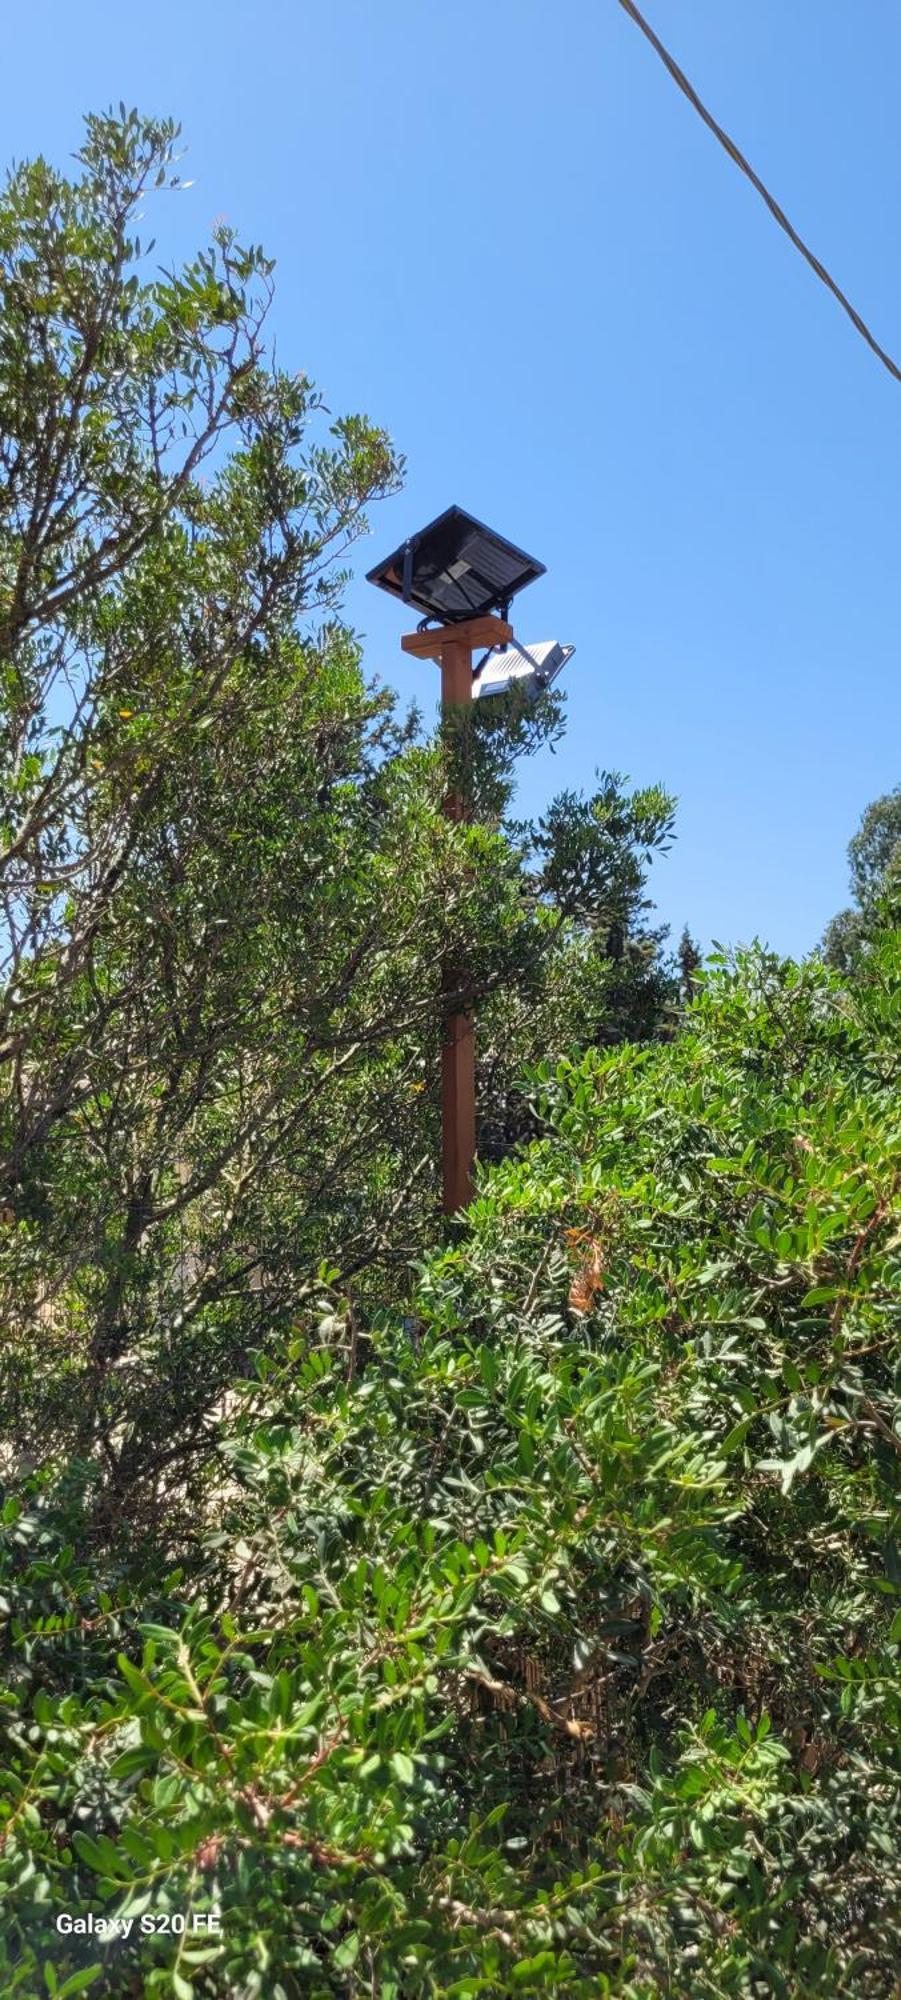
418	571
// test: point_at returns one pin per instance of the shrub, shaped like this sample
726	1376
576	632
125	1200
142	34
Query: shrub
545	1639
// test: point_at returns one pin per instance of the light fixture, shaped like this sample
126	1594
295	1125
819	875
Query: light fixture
463	577
530	667
456	569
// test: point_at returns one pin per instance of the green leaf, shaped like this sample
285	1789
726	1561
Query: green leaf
348	1951
141	1758
90	1852
78	1982
736	1437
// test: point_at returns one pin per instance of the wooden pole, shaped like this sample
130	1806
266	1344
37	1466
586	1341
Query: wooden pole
458	1054
452	646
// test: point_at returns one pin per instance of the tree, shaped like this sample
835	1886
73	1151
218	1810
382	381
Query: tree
874	856
690	959
600	976
227	881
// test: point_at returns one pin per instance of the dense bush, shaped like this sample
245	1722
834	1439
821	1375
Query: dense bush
544	1638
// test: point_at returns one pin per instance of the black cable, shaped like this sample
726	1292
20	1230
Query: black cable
678	75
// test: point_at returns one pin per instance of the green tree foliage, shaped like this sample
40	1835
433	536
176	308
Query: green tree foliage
551	1644
228	887
874	857
530	1625
690	959
178	770
601	976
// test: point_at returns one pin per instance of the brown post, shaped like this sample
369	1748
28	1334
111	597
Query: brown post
458	1052
453	647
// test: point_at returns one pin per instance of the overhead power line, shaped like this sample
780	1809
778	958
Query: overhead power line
678	75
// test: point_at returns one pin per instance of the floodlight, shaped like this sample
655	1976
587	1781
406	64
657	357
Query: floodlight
532	667
456	569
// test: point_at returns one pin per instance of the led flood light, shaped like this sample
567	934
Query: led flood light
533	667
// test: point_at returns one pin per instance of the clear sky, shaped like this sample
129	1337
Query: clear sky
501	232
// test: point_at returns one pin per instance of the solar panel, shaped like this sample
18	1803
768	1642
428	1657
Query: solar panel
455	569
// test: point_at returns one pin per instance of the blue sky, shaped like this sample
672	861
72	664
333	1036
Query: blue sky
501	232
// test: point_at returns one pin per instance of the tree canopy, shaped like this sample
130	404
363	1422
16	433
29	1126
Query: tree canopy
874	858
228	884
